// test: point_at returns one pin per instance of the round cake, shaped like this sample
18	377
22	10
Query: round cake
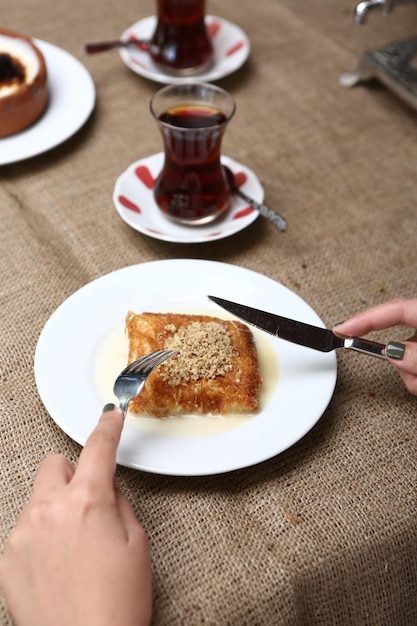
23	83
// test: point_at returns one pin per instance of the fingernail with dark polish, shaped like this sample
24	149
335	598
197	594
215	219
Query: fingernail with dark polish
395	350
109	407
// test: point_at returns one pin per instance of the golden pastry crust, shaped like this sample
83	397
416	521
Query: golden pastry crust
215	372
27	103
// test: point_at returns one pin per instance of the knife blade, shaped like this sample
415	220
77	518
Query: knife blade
303	334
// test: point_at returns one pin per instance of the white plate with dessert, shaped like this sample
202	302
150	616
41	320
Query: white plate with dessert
231	50
76	365
70	101
134	201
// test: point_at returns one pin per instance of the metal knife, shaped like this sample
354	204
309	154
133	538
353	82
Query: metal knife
299	332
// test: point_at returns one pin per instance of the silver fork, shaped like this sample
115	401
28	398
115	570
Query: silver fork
130	381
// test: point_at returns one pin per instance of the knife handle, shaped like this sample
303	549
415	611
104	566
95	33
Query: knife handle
366	347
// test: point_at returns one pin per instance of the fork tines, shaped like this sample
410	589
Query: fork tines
148	362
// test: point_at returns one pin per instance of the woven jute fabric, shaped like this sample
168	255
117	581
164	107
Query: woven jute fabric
326	532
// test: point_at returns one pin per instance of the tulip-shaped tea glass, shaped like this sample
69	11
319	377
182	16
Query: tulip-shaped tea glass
181	43
192	187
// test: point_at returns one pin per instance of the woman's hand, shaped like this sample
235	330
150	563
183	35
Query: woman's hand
402	355
78	555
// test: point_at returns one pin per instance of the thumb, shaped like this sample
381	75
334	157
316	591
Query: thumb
403	355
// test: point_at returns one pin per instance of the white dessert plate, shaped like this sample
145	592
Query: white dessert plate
231	49
72	97
73	339
134	201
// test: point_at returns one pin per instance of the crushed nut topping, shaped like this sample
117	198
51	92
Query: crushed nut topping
205	350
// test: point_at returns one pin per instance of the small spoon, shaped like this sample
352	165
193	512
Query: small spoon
103	46
277	220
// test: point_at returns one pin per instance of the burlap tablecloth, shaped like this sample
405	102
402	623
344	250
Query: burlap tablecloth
325	533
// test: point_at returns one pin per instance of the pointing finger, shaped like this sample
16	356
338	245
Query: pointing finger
401	311
98	458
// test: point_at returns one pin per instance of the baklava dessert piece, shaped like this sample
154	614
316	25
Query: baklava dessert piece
215	372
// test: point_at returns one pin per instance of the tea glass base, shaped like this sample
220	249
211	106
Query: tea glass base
187	71
203	221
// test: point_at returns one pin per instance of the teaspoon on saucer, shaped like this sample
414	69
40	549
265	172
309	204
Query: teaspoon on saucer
278	220
103	46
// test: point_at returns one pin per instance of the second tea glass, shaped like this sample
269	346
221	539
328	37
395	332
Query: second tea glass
180	43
